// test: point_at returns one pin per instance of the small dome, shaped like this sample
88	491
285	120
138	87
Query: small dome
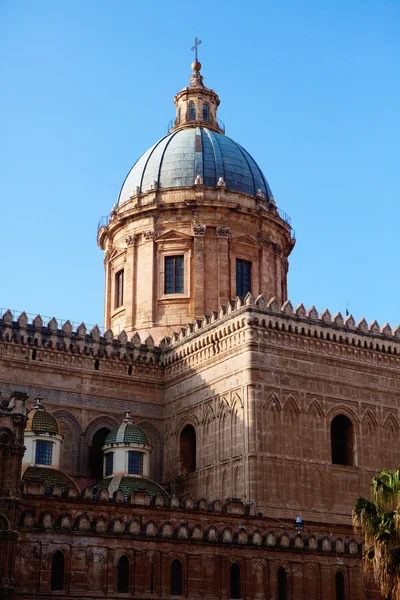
49	477
127	433
131	484
178	158
40	421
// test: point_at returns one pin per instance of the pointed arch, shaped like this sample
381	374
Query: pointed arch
391	441
70	450
235	581
224	485
102	422
123	575
237	483
224	435
176	578
157	455
369	442
210	577
57	571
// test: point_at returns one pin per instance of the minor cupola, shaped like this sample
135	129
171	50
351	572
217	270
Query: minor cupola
42	438
126	453
196	105
41	461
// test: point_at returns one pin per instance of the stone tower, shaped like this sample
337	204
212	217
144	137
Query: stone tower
195	226
12	425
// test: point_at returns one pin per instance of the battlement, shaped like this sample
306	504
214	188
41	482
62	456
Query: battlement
298	320
229	522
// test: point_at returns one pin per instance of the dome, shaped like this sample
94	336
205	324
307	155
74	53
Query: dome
131	484
127	433
182	155
49	477
40	421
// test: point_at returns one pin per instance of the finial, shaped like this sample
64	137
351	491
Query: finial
127	416
196	65
39	405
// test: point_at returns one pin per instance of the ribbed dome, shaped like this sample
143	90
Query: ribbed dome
178	158
40	421
127	433
129	484
49	477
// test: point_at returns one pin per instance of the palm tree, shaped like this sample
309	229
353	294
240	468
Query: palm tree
379	520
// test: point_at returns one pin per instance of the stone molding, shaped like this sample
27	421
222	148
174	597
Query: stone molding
149	235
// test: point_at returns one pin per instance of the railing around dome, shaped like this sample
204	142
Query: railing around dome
103	222
175	123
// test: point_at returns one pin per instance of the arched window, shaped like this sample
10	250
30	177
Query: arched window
206	112
123	575
342	441
235	581
339	585
282	584
188	449
179	115
176	577
57	571
96	455
192	111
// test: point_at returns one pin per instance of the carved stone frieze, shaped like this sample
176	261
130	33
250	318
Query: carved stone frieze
130	240
223	232
265	242
149	235
199	230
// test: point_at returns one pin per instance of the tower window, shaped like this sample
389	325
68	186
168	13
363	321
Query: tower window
109	459
188	449
119	289
206	113
243	277
123	575
342	441
282	584
176	578
339	585
44	453
57	571
135	463
174	275
235	581
192	111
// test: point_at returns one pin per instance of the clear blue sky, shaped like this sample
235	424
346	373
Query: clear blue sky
309	88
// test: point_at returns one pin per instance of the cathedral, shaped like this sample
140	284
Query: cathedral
211	440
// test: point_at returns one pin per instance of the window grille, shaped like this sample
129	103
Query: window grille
44	453
192	111
174	275
119	289
243	277
135	463
109	463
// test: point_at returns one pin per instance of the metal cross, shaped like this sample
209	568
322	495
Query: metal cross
197	43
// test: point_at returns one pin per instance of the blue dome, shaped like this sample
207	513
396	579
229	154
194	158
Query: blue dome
177	159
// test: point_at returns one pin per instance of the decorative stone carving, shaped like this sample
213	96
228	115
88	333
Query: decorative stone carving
199	230
221	182
223	232
149	235
130	240
198	180
265	242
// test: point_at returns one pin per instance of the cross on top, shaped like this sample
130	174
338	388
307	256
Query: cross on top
197	43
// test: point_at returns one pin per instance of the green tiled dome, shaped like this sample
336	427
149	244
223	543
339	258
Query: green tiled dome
40	421
131	484
127	433
49	477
